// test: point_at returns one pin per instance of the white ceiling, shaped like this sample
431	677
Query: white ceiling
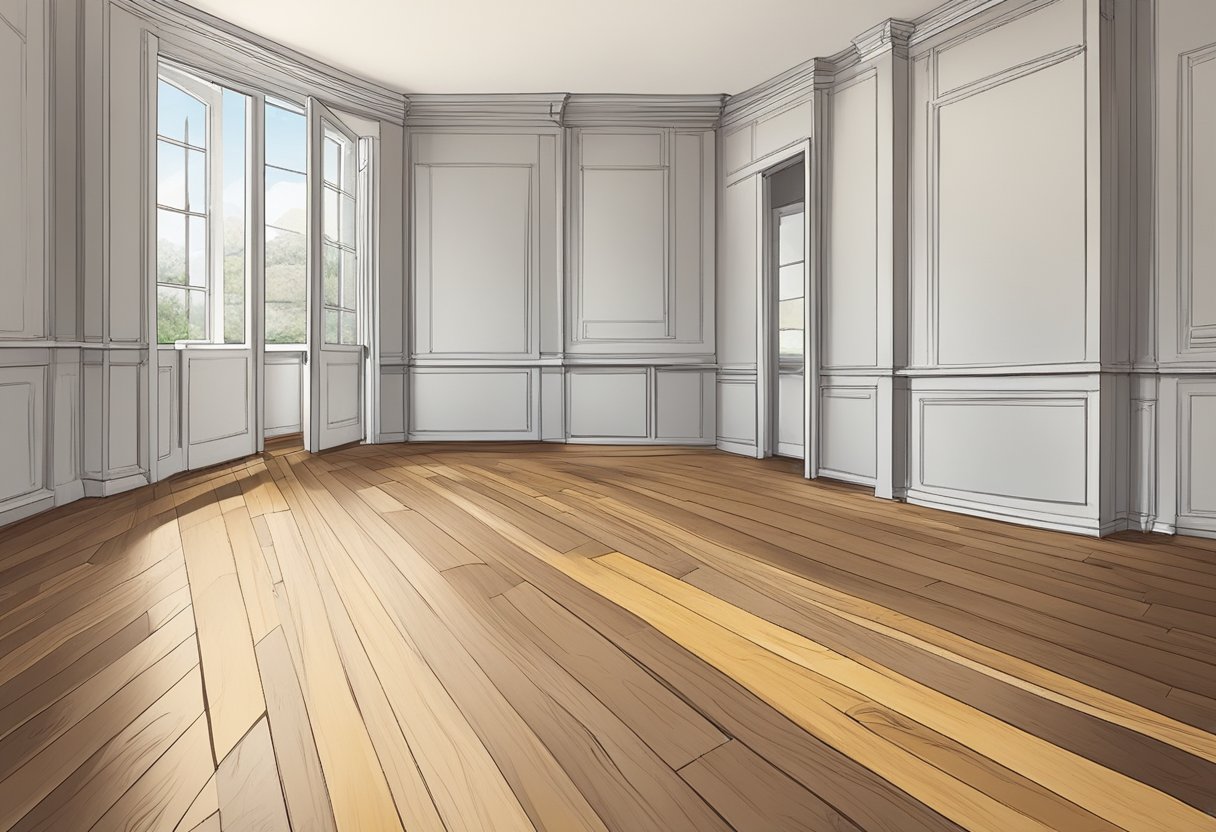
619	46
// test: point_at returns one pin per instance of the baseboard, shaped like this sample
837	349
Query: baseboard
27	505
270	433
389	439
1079	525
69	492
108	488
741	448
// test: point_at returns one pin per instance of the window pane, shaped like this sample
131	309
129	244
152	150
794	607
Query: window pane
180	116
331	326
332	156
348	220
197	247
789	238
171	322
286	139
790	343
329	214
198	316
170	247
330	274
790	314
170	175
285	323
196	180
286	200
350	329
286	287
350	280
790	280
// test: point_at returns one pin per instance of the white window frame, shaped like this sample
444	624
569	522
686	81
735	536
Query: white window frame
211	95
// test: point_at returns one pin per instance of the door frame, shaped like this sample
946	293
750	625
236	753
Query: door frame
766	331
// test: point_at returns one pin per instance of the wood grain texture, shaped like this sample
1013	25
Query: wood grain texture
543	637
230	670
247	785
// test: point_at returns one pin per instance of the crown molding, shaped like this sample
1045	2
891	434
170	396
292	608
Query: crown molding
693	112
505	110
948	14
255	57
890	35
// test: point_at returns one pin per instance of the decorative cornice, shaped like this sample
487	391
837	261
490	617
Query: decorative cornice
539	110
774	93
891	34
258	56
946	15
693	112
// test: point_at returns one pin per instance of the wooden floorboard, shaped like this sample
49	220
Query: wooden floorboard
507	636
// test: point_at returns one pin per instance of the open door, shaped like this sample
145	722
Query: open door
338	283
205	373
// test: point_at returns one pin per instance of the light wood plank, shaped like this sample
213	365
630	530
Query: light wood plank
230	669
247	783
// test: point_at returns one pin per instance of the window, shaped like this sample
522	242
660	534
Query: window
286	224
791	290
340	275
202	272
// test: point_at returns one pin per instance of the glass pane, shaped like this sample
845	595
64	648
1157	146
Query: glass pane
331	326
329	213
286	200
171	322
790	280
348	220
170	247
790	314
286	139
197	247
789	238
333	153
789	342
350	329
330	274
196	180
285	323
180	116
198	316
235	178
286	287
170	175
350	280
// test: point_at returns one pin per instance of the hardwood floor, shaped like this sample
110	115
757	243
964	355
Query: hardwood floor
450	637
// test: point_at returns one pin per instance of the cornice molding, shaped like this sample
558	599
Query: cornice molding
258	56
946	15
693	112
506	110
890	35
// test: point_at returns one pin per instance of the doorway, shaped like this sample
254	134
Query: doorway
786	276
261	291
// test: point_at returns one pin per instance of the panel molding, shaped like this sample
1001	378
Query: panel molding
1193	336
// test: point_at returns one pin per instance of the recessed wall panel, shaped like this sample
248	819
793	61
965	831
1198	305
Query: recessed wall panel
479	273
624	250
608	404
1010	224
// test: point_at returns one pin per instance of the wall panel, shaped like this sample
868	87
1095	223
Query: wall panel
608	404
452	403
1010	222
849	294
23	100
641	242
847	428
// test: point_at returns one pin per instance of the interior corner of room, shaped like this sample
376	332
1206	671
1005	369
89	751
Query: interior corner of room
963	261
